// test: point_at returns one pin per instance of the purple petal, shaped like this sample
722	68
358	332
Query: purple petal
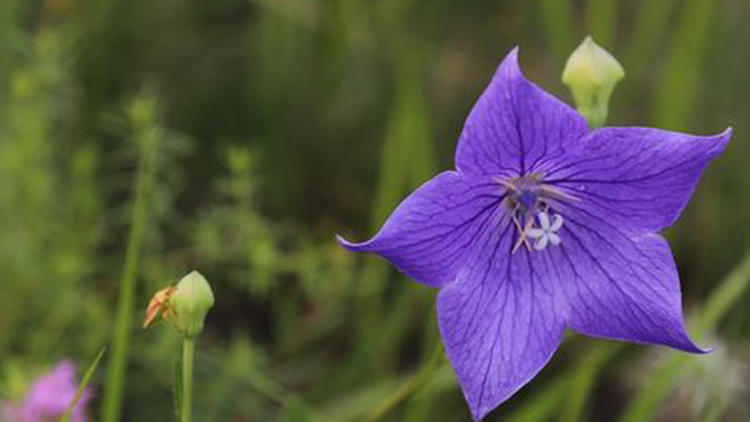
49	396
429	234
640	177
619	283
515	126
500	321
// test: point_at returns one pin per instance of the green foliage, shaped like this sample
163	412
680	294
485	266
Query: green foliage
139	140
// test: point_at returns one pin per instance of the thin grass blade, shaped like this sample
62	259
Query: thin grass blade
84	383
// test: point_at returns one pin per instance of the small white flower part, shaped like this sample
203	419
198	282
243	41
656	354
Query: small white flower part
545	234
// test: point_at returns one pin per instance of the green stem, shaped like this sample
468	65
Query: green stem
584	379
188	347
661	382
123	320
409	387
601	21
725	296
557	18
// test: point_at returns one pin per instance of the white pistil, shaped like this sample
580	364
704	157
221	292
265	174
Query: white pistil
546	233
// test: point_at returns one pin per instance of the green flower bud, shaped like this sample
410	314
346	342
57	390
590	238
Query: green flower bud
591	73
189	303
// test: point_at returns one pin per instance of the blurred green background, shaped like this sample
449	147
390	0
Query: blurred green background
245	133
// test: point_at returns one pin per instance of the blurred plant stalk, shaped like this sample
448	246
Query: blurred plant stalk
143	116
410	387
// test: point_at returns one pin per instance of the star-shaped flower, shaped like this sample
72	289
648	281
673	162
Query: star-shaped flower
503	303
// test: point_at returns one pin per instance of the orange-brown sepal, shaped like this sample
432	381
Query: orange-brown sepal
159	304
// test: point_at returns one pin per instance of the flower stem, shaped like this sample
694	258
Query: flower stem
409	387
188	347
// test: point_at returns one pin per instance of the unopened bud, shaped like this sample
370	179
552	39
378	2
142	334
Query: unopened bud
591	73
184	305
190	302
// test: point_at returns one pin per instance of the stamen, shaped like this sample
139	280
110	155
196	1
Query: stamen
556	193
522	234
507	184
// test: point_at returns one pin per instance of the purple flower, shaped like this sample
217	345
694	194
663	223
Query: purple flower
49	397
545	225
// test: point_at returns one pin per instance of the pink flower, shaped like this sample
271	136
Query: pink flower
49	397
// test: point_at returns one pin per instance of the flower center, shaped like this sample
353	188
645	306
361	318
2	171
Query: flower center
524	197
528	202
527	199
